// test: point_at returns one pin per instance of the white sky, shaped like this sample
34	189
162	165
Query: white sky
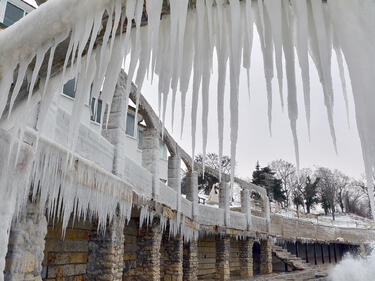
254	142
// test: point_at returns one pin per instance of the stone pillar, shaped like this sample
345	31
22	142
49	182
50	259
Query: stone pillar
246	258
174	256
106	253
174	177
224	201
246	206
192	191
265	256
190	266
329	253
315	259
148	255
26	246
150	158
222	258
115	132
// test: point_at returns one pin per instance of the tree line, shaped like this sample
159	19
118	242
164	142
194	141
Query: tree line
305	189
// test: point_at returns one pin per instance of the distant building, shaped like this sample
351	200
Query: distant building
12	11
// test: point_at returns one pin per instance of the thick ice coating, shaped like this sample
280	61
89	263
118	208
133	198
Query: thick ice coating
176	45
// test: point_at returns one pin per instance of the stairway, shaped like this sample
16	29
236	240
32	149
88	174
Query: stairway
290	259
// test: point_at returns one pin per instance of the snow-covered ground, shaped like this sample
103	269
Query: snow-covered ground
341	219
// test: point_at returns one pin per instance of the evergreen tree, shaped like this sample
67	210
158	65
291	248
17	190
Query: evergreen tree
310	193
265	177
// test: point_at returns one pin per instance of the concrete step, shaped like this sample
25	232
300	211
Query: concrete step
292	260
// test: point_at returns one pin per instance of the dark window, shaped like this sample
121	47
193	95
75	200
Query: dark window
130	125
69	88
140	139
12	14
98	112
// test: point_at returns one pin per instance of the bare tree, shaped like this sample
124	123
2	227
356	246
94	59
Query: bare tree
286	172
327	189
342	183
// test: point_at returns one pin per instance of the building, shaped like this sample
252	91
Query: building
12	11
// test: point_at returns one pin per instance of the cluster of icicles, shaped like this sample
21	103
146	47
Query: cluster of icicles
179	48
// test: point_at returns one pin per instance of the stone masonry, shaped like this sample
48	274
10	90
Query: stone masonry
246	257
190	261
148	258
174	256
106	253
265	256
26	246
222	258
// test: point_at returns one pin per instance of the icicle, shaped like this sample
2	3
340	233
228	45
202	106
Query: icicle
198	56
235	64
248	41
324	54
266	45
290	73
300	9
20	78
187	64
274	12
340	63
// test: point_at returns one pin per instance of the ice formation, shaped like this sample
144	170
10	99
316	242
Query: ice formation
175	46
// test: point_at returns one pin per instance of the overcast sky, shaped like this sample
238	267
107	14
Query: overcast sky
254	142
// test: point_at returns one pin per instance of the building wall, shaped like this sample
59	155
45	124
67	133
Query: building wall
21	4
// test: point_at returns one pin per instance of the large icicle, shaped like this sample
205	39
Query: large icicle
274	12
300	10
222	58
324	55
290	73
265	37
235	65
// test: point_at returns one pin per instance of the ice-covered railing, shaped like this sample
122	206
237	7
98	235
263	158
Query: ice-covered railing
175	47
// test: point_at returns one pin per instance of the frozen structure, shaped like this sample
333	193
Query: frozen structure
61	172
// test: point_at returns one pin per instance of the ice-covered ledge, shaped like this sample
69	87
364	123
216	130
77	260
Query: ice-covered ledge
118	191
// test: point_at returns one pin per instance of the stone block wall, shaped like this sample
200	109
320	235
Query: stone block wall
173	255
66	258
130	250
106	253
246	257
190	261
222	258
148	255
265	256
207	258
234	262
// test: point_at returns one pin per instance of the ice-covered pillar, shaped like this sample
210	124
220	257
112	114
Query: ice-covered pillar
150	157
267	210
115	132
174	177
192	191
224	201
246	206
26	245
